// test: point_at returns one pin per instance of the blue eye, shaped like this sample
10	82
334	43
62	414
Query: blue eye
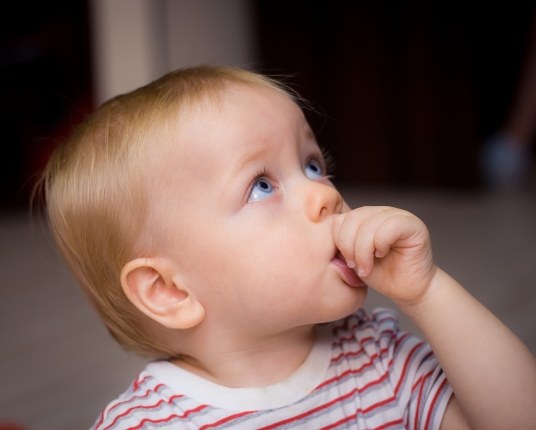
262	188
314	170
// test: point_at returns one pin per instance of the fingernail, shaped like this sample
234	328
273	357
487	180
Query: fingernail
350	264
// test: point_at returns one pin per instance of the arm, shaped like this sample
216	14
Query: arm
492	373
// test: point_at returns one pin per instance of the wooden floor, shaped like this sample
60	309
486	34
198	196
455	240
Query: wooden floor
58	366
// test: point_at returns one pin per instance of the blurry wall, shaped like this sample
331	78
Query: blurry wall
407	91
45	77
136	41
128	45
61	59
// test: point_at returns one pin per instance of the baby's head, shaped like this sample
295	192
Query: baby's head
195	204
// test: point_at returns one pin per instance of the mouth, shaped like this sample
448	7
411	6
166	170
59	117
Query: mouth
348	275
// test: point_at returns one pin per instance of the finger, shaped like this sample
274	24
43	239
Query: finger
344	231
364	245
395	231
350	235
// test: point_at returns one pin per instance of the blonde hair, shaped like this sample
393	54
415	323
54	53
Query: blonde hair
93	187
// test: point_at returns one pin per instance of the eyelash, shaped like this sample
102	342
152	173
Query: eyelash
261	174
325	160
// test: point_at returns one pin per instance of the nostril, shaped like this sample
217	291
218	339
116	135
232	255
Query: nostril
322	200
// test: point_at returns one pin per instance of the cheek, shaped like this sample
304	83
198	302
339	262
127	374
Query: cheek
281	250
280	269
256	263
262	262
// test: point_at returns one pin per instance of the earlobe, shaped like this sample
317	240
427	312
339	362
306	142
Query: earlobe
153	286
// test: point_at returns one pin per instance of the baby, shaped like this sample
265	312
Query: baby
198	214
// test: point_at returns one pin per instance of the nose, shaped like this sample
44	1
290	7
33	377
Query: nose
321	201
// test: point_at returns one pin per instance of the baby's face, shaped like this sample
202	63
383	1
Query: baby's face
247	211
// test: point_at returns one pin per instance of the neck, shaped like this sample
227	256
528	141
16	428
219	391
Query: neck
263	362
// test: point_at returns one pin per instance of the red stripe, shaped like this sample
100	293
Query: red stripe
167	419
135	386
225	420
372	357
351	338
347	327
138	382
347	354
346	323
420	383
333	402
101	419
406	365
362	411
149	390
404	371
415	418
128	411
390	424
353	321
368	323
361	350
382	427
432	406
350	372
401	339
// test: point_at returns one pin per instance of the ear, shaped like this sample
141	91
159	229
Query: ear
153	286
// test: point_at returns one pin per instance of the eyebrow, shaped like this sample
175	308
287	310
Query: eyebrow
310	134
250	157
261	151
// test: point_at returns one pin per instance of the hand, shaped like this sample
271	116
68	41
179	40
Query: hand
390	250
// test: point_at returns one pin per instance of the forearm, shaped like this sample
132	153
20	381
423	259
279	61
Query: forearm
492	373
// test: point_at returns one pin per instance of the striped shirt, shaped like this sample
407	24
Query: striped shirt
362	373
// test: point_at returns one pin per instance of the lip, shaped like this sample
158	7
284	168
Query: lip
348	275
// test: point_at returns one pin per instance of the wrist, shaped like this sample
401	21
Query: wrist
428	293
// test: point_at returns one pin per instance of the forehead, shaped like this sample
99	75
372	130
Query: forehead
240	119
220	133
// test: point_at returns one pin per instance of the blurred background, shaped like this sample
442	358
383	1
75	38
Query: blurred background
426	106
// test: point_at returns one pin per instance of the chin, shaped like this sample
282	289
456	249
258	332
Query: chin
345	307
355	303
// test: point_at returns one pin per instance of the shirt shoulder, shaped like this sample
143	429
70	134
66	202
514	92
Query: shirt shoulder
147	401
